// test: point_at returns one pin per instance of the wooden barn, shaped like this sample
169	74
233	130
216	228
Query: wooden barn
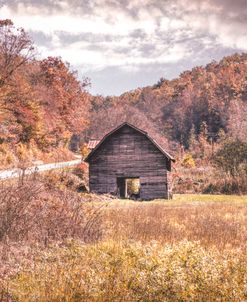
128	163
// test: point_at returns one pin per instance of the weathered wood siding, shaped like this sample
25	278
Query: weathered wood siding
129	153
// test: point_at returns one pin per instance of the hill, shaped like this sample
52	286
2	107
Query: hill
212	97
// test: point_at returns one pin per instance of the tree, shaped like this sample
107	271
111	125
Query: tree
16	49
232	157
188	161
206	143
64	98
16	53
194	146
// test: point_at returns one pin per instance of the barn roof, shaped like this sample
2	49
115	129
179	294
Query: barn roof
137	129
92	143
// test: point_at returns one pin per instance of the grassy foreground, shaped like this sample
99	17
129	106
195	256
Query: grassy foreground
193	248
114	271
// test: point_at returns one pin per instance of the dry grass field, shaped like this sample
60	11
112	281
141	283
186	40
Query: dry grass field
191	248
212	220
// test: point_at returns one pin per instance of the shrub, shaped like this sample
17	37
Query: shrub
7	158
63	179
81	170
84	151
188	161
32	212
113	271
227	185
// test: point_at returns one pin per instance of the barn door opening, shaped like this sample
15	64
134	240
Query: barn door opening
128	187
121	187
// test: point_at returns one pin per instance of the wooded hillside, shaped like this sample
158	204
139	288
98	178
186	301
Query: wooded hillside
43	103
212	97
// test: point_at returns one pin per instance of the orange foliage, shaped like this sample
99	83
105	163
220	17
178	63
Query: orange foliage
42	103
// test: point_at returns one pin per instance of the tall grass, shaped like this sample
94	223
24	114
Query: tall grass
223	225
132	272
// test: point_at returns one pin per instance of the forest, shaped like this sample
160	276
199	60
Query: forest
47	114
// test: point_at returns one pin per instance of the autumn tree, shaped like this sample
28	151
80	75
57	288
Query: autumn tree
64	98
16	103
42	103
16	49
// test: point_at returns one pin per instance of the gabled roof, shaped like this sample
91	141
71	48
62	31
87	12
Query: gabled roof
166	154
92	143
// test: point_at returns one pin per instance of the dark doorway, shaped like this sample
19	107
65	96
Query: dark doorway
121	187
128	187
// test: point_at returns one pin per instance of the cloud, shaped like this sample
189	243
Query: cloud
221	19
99	36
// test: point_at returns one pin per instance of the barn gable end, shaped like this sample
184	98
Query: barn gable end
128	152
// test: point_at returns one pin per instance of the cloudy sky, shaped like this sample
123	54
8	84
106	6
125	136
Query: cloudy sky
125	44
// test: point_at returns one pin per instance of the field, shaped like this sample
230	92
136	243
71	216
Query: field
191	248
212	220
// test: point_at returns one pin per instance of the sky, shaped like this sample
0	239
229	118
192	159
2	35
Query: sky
125	44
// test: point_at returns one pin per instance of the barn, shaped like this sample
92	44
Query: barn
128	163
